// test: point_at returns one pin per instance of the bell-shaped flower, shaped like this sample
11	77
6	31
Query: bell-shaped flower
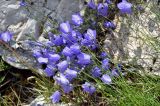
77	19
70	74
22	3
102	9
105	64
90	35
106	79
57	40
125	7
61	80
115	73
96	72
67	88
49	71
109	24
108	1
92	4
103	54
84	59
37	53
56	96
65	27
6	36
87	87
75	48
53	57
67	51
42	60
62	66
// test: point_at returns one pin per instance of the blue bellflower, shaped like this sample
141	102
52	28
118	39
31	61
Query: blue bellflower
58	40
42	60
49	71
125	7
102	9
87	87
65	27
6	36
96	72
67	88
109	24
91	4
105	64
84	59
53	57
70	74
67	51
62	66
61	80
106	79
75	49
77	19
56	96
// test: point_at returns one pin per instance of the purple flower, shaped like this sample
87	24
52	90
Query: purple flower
96	72
106	79
67	88
58	40
61	80
77	19
6	36
65	27
22	3
90	35
67	51
105	64
37	53
92	4
115	73
102	9
125	7
108	1
70	74
62	66
87	87
84	59
75	48
42	60
103	54
49	71
109	24
56	96
53	57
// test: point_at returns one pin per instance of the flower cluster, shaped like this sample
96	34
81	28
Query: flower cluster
67	55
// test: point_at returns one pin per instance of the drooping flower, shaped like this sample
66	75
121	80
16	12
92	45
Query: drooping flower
67	51
6	36
114	73
75	48
105	64
62	66
37	53
67	88
42	60
58	40
103	54
106	79
109	24
90	35
87	87
108	1
84	59
65	27
70	74
92	4
56	96
96	72
53	57
77	19
49	71
22	3
61	80
125	7
102	9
